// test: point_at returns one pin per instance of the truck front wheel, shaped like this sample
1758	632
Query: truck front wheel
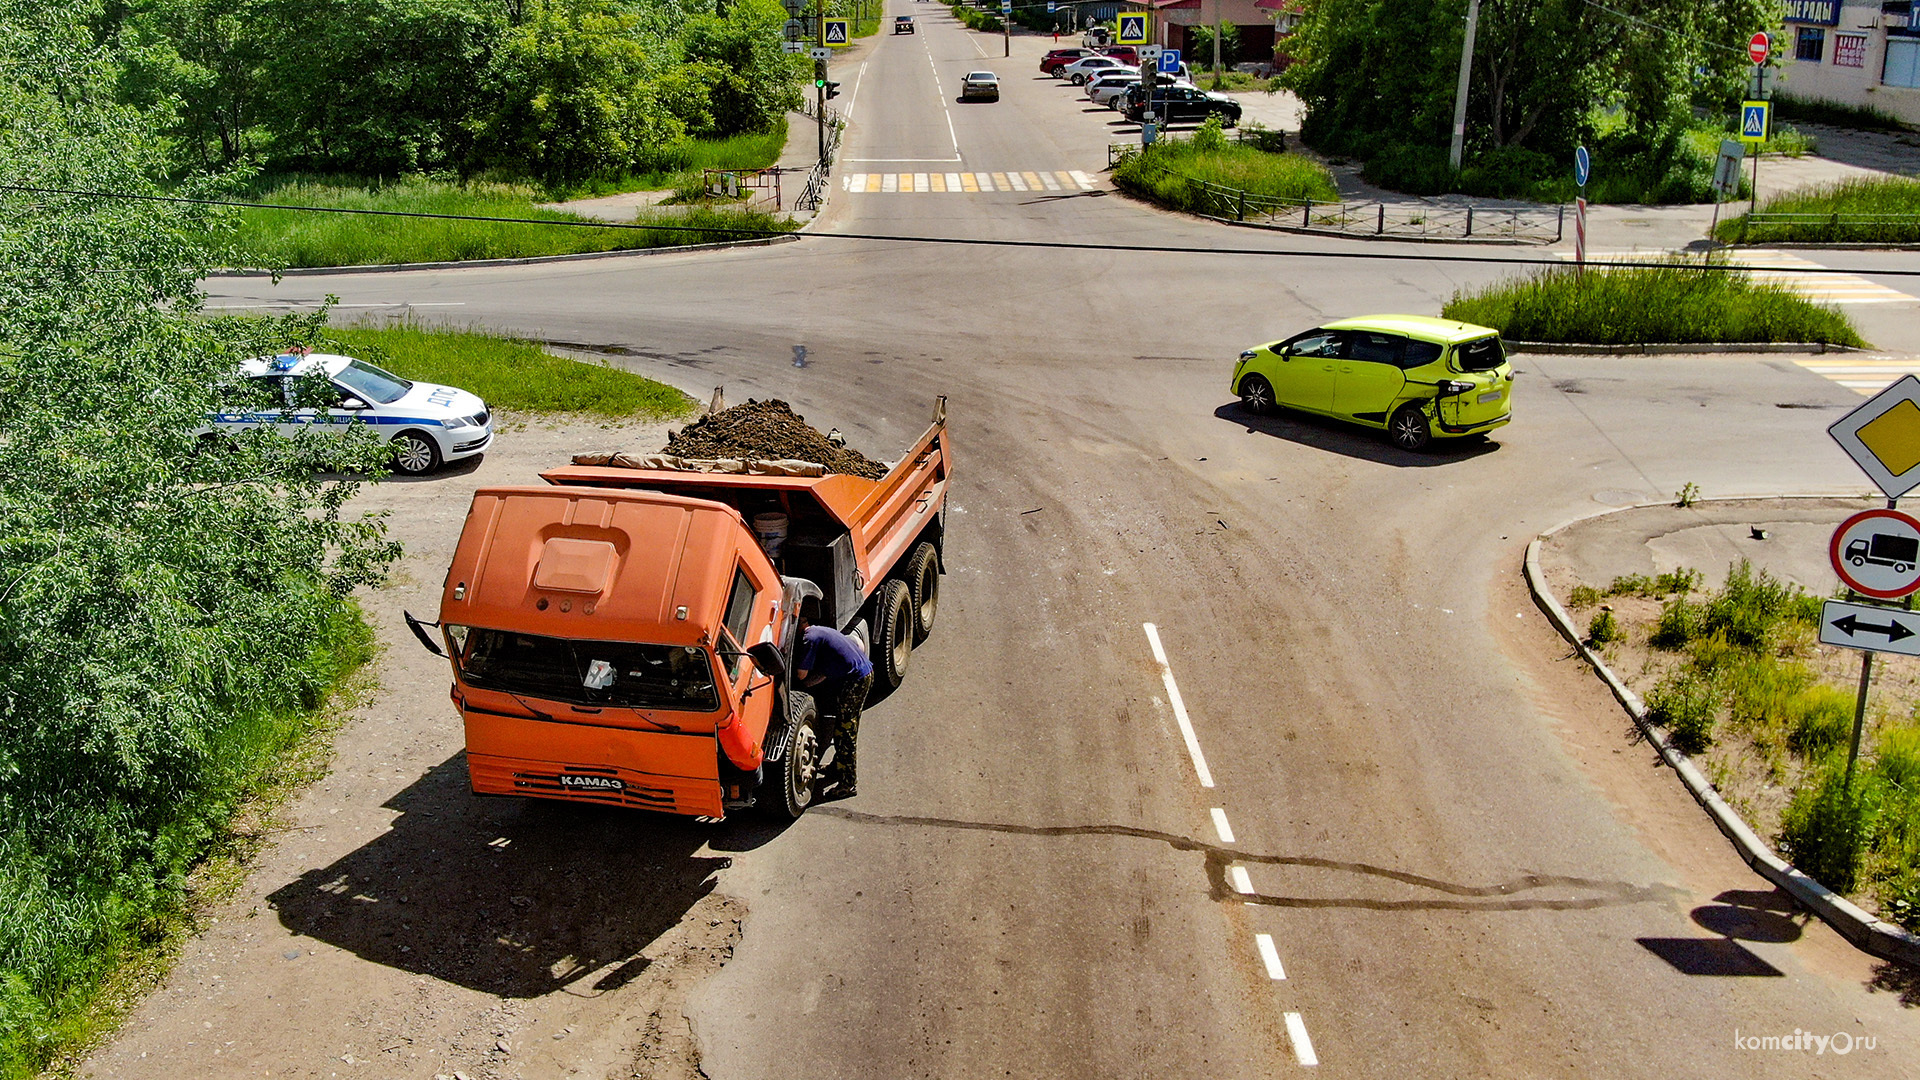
799	767
892	633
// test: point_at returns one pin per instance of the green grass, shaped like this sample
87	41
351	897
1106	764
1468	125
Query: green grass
1660	303
1815	111
296	238
683	164
1886	197
76	956
510	373
1162	173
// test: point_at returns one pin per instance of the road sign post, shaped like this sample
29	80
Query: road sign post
1006	27
1582	168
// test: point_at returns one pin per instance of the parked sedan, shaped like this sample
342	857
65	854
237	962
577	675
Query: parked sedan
1171	103
984	85
1086	67
1103	88
1418	378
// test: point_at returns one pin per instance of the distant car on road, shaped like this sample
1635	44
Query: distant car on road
1180	102
903	24
1416	377
429	425
980	84
1086	67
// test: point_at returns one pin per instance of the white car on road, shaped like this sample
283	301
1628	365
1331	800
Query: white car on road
428	425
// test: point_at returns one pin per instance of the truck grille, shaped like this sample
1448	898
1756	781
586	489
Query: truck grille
639	791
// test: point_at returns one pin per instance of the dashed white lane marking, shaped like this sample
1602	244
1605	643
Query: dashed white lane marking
1302	1045
1221	827
1242	884
1270	956
1861	374
1179	708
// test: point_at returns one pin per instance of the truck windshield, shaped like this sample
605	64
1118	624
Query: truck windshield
623	674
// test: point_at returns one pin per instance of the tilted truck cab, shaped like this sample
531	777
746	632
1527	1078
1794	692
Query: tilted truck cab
622	637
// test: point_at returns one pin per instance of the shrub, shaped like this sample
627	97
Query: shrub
1583	596
1678	624
1673	582
1751	607
1897	758
1675	301
1818	720
1211	137
1604	628
1685	706
1900	901
1826	827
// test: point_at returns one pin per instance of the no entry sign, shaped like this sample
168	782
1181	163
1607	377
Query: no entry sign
1757	47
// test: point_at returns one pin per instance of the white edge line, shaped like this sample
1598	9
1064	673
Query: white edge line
1242	882
1270	956
1179	708
858	78
1302	1045
1221	827
942	93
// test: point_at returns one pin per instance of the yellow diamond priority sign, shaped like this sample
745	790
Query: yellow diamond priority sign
1883	437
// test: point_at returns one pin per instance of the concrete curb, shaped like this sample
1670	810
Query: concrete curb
1867	933
1560	348
315	271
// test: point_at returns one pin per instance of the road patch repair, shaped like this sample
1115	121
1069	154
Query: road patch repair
1633	558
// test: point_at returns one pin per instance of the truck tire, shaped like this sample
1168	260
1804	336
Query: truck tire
923	577
794	774
892	634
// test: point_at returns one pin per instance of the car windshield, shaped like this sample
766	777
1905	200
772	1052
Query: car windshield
623	674
1481	354
380	387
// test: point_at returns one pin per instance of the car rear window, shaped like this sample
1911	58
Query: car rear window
1481	354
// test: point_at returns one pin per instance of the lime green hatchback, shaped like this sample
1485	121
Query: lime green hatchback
1416	377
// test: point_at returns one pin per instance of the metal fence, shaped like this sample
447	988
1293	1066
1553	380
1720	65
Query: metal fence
757	189
1408	220
815	190
1838	228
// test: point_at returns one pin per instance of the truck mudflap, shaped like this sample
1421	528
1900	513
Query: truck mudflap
587	763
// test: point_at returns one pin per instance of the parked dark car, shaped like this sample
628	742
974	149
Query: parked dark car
1059	58
1173	103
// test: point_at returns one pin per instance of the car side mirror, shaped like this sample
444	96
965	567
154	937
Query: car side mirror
351	402
768	659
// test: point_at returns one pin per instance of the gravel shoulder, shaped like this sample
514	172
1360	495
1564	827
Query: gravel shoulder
398	926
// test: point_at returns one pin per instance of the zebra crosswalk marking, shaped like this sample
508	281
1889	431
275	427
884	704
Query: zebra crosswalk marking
1864	375
971	183
1787	269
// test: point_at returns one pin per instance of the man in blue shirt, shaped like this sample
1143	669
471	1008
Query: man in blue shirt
834	666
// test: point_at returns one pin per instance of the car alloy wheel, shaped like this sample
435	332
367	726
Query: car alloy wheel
414	455
1409	429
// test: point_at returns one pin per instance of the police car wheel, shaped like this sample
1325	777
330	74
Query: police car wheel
414	454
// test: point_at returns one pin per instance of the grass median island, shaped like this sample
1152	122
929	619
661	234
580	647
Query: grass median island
1166	172
1738	679
683	165
298	238
1836	214
1672	302
511	373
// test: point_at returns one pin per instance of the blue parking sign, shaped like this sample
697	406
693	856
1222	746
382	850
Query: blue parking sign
1169	62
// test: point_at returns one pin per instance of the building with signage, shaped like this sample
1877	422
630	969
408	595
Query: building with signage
1259	23
1853	52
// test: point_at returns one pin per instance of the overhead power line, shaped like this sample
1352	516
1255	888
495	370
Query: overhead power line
1667	30
958	241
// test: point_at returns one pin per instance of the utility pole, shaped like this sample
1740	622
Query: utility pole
1460	95
1006	29
1219	26
820	77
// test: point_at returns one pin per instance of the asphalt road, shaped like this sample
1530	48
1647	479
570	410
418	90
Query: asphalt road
1395	792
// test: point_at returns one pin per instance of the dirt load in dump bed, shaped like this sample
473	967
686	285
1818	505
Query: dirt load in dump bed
770	430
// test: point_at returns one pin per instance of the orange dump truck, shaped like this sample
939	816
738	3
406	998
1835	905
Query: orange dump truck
622	636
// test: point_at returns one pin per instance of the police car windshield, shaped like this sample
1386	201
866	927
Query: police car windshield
377	386
622	674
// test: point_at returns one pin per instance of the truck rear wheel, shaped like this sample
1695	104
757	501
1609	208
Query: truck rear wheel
799	767
892	633
923	577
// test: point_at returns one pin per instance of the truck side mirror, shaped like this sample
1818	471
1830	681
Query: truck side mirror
420	631
768	659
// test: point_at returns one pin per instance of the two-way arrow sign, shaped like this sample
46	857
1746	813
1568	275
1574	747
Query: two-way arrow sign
1875	629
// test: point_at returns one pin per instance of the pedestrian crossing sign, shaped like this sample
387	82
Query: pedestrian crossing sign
1133	30
833	33
1756	117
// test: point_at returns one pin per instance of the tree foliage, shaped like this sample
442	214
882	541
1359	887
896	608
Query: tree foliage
557	89
158	602
1379	76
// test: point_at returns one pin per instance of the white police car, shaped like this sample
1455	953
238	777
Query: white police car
428	425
